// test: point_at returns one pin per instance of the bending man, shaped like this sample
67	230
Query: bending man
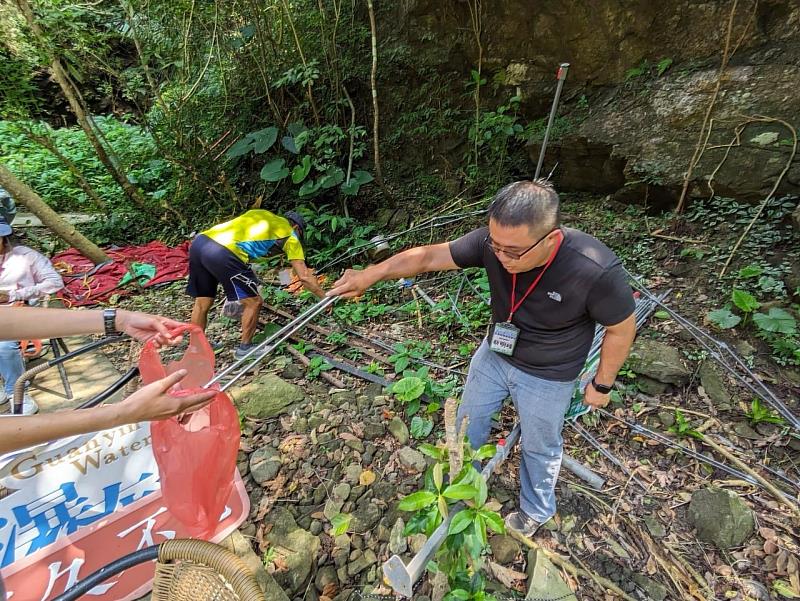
221	255
549	286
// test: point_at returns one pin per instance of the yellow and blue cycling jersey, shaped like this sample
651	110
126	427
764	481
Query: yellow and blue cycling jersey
256	234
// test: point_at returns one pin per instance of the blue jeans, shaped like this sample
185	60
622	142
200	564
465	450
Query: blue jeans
11	364
540	404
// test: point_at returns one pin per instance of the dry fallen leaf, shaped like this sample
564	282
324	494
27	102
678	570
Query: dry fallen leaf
366	478
280	564
330	590
506	576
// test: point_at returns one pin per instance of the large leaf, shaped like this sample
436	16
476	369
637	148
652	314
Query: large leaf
340	523
274	171
263	139
430	450
483	491
408	389
441	503
750	271
362	177
350	188
460	491
777	320
461	521
438	475
301	170
308	188
458	594
357	179
241	147
421	426
486	451
417	501
494	521
333	177
296	128
724	318
744	300
288	143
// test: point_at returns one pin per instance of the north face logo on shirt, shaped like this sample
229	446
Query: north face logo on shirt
555	296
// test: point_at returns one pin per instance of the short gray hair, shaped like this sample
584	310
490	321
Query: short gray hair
529	202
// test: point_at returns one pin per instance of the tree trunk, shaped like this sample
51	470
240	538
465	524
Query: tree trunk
67	232
84	120
374	86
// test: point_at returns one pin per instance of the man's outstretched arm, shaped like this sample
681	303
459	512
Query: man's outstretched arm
406	264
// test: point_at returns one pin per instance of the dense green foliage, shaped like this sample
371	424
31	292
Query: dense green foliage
211	108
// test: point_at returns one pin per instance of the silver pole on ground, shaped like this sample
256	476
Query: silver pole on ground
402	577
583	472
561	75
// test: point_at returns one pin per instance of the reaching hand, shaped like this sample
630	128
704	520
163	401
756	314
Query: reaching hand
352	283
154	401
143	327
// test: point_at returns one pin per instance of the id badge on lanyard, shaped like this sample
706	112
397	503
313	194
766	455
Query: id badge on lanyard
504	338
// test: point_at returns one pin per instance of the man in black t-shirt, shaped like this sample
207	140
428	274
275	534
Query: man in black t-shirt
550	285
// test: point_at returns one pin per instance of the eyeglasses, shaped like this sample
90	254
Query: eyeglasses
513	255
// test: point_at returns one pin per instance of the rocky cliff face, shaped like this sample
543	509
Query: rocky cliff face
633	120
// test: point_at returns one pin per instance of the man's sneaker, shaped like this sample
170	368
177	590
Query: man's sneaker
521	522
241	351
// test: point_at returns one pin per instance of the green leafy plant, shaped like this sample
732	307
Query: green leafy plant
662	66
746	302
724	318
466	349
760	414
421	426
316	366
374	368
302	347
336	338
408	389
750	271
776	321
269	555
683	428
406	352
460	556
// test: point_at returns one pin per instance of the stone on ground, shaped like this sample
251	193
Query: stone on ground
658	361
266	396
721	517
544	579
297	547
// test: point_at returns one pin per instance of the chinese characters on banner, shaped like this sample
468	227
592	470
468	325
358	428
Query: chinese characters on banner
73	506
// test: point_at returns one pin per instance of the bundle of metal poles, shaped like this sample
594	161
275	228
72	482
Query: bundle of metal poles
227	377
645	305
725	356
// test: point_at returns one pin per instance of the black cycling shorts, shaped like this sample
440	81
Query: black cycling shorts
211	264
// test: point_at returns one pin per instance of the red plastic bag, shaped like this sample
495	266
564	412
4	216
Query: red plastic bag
196	457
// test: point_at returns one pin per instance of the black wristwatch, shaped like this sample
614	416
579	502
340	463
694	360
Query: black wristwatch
602	388
110	322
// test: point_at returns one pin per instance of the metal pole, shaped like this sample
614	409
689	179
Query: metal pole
261	350
561	75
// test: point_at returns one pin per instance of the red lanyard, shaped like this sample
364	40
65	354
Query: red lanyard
516	305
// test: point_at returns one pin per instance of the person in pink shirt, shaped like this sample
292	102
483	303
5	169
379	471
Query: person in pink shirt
25	276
